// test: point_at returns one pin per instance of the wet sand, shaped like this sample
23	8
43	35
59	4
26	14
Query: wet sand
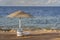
35	35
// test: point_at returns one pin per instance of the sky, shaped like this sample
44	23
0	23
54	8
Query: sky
29	2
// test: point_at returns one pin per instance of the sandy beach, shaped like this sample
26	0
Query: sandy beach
35	35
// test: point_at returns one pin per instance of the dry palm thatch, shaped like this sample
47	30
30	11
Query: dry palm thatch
19	14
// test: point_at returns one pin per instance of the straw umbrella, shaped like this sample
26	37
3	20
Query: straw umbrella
19	14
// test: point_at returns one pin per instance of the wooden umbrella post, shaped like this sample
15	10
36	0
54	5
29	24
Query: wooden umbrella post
20	30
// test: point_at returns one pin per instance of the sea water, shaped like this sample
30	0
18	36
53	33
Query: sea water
42	16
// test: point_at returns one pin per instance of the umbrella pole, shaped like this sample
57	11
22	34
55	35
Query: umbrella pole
19	30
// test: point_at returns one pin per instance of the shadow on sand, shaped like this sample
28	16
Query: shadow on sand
44	36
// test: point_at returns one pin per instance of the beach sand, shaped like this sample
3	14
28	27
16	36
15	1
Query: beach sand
35	35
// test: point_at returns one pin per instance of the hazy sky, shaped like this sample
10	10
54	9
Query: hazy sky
30	2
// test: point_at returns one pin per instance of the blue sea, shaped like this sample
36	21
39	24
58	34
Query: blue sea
33	10
43	16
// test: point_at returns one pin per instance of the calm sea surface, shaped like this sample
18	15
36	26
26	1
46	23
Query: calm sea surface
42	16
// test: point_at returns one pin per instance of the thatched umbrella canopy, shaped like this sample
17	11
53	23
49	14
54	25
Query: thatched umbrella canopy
19	14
